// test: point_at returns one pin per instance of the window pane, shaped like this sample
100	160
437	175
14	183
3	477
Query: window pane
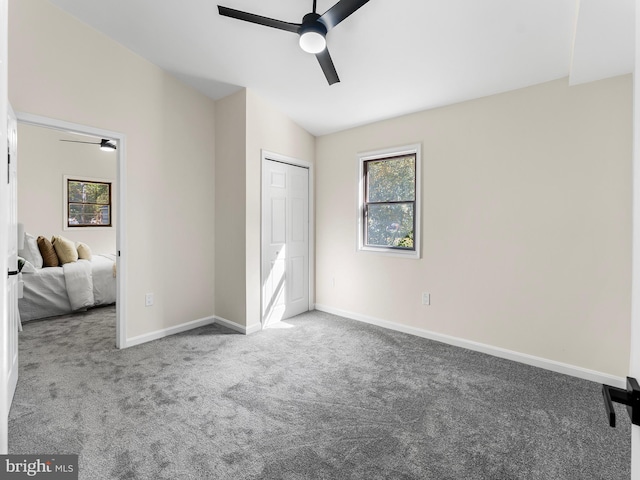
390	225
102	193
90	193
392	180
80	214
105	215
75	191
97	193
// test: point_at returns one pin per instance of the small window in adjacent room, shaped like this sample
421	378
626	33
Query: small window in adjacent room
87	203
390	201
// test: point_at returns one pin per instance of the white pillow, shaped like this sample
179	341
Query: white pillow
28	267
31	252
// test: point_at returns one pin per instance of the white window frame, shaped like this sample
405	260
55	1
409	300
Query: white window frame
413	149
65	200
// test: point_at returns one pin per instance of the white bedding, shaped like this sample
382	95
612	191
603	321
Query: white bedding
79	283
75	286
104	278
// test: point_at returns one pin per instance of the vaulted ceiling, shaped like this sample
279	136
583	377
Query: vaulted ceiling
393	57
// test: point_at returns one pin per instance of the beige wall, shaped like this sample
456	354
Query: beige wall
43	162
61	68
231	154
246	125
526	223
267	129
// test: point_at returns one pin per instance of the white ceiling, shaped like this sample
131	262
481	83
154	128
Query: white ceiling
393	57
604	40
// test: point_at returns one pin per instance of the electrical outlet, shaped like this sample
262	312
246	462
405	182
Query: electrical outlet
148	299
426	298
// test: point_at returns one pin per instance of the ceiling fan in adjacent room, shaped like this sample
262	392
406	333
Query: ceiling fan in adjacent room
105	144
313	29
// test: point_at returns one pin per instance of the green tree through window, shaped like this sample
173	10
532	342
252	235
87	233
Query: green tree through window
389	205
88	203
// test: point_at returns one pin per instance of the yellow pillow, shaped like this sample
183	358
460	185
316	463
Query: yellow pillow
84	252
65	249
49	256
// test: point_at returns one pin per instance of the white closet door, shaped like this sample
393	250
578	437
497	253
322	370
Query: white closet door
285	241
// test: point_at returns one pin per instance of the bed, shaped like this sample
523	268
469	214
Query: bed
74	286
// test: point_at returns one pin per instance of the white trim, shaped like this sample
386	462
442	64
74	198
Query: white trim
634	337
120	217
121	286
363	157
256	327
265	156
69	127
165	332
554	366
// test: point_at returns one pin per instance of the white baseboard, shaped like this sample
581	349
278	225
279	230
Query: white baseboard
256	327
248	330
525	358
165	332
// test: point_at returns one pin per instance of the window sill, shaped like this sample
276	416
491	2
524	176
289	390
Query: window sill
390	252
90	227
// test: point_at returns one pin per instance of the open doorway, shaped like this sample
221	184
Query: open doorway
71	188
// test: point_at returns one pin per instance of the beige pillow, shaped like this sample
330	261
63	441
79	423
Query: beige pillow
65	249
84	252
49	256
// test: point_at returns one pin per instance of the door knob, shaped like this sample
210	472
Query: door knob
629	397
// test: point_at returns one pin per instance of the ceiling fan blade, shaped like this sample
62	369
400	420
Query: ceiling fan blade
340	11
78	141
327	66
260	20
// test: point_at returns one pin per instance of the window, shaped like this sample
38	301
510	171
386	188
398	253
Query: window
390	201
88	203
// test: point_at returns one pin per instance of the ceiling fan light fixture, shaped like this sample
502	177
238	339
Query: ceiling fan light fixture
312	42
312	34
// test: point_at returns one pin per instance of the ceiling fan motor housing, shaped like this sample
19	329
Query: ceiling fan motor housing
310	23
312	33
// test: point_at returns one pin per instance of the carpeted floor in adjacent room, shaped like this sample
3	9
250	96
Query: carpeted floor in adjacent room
327	398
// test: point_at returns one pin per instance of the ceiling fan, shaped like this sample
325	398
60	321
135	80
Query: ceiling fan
313	29
106	145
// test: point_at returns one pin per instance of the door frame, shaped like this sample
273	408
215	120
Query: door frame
634	351
121	152
277	157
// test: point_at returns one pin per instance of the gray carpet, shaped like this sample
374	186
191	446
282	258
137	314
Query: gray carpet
329	398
